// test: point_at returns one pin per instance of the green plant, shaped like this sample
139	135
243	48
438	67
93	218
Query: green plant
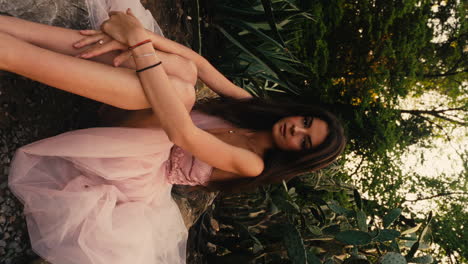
305	228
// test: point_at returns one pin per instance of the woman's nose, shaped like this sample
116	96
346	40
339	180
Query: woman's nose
297	130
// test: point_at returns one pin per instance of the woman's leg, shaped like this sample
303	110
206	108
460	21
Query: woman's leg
61	40
119	87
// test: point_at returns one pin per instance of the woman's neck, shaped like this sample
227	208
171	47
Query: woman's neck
262	140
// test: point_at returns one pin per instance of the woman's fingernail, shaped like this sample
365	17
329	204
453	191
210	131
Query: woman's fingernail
85	55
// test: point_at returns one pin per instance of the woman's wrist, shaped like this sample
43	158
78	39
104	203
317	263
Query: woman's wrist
140	58
137	36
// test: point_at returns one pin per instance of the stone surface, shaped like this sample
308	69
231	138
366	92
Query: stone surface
192	202
64	13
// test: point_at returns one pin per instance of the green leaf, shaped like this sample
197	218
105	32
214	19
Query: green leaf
412	251
336	207
426	228
387	235
353	237
312	258
374	233
315	230
257	248
291	191
294	245
361	220
267	6
273	209
394	246
357	199
285	205
253	30
274	79
389	218
242	47
318	214
412	230
274	90
285	185
331	230
279	56
423	259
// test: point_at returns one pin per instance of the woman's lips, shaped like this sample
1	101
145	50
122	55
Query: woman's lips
283	130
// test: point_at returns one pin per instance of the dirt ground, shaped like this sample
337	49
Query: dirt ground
30	111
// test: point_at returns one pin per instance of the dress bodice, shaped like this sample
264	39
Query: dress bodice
184	169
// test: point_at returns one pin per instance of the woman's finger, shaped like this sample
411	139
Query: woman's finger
103	24
112	13
97	50
89	32
122	57
130	12
89	40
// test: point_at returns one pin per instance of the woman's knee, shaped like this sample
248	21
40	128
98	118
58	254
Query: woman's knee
185	90
187	70
7	43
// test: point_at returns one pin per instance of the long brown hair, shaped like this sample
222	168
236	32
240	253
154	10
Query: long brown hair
262	114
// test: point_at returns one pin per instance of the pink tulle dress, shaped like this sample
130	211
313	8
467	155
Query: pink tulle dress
103	195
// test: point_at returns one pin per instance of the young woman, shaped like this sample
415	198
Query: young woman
102	195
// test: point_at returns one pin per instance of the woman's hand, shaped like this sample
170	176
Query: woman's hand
100	43
124	27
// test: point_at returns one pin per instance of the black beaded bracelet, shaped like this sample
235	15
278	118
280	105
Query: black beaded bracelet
149	67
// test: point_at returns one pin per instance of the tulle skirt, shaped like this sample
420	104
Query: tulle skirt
99	9
100	195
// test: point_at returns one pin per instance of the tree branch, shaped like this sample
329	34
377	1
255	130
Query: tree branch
449	139
433	110
358	167
437	113
444	74
435	196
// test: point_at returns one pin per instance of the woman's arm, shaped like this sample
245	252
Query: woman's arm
206	72
170	111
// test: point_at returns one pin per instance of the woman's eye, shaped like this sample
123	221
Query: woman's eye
307	121
303	144
306	143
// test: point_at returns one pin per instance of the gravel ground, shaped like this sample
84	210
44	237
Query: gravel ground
30	111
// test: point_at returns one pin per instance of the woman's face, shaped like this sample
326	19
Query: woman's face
299	133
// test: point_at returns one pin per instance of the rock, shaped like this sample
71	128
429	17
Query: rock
64	13
192	202
392	258
5	209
